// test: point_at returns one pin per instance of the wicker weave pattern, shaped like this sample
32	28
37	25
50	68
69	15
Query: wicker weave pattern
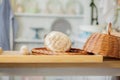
44	51
118	47
103	44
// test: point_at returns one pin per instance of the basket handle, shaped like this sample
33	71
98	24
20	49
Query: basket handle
109	28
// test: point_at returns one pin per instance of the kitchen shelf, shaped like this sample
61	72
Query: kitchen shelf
47	15
29	40
42	41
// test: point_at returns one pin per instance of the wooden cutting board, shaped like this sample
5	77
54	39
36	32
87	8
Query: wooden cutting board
16	57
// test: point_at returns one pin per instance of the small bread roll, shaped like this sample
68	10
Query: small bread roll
1	50
24	50
57	41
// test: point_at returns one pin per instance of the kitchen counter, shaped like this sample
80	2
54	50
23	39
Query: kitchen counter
24	66
107	63
108	67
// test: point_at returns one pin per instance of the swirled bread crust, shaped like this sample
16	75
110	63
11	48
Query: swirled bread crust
57	41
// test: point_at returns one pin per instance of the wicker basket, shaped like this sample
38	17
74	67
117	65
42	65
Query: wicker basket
103	44
44	51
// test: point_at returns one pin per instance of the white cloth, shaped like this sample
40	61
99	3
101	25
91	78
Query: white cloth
107	11
0	1
6	19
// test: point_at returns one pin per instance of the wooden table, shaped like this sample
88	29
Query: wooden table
22	65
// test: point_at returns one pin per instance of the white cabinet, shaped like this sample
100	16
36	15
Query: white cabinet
98	78
44	19
31	43
78	78
4	78
58	78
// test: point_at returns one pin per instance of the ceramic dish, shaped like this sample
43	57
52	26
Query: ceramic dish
61	25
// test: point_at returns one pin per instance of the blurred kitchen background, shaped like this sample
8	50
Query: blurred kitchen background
31	20
76	18
59	78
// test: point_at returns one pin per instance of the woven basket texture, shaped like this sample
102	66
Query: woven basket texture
44	51
104	44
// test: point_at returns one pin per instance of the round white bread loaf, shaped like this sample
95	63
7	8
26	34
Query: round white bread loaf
57	41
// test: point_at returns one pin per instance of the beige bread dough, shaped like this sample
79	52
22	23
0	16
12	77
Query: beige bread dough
57	41
24	50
